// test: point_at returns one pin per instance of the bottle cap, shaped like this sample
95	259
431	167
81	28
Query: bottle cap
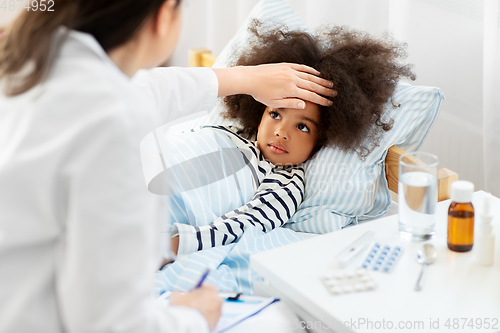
461	191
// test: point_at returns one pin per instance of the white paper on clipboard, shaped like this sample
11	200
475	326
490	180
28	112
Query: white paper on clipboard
234	312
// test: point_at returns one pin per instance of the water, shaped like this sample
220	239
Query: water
417	199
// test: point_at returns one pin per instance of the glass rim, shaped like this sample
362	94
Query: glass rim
431	165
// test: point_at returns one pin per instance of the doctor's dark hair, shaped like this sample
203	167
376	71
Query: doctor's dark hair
25	44
364	71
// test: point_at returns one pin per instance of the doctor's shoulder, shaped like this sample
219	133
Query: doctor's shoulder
91	90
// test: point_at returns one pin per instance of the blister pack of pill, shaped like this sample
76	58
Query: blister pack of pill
348	281
382	257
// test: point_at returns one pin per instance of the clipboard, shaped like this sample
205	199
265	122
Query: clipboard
235	311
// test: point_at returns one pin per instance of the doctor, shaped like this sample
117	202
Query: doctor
80	230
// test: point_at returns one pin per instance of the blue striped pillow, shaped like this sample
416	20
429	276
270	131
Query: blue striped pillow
341	189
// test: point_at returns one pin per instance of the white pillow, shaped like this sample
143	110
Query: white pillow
340	188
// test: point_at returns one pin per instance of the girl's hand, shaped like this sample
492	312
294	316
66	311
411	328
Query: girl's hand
174	244
203	299
283	85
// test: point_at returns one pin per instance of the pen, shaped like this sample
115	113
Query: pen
203	277
234	298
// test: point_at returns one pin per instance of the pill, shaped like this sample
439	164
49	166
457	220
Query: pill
376	267
359	287
369	285
332	283
336	290
347	289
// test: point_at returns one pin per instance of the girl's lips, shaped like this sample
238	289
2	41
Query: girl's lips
277	148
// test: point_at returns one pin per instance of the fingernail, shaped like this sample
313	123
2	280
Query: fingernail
330	103
330	84
302	105
334	93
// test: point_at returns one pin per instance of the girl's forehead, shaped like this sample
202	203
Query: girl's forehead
310	113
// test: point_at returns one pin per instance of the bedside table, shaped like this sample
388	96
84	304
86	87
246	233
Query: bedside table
458	295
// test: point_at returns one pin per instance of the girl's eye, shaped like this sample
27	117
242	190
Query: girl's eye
303	128
274	115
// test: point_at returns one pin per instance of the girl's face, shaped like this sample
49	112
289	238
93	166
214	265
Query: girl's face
288	136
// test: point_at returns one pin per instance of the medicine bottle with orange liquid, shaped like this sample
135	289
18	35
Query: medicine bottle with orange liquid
461	217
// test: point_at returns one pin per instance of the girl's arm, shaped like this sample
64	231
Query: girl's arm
276	200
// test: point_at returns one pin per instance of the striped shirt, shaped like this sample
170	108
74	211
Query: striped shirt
279	190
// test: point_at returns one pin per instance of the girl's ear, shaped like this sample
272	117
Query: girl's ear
163	18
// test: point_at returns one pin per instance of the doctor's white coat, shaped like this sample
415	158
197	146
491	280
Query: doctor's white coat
79	231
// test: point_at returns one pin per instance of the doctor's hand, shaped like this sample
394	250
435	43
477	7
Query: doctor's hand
282	85
203	299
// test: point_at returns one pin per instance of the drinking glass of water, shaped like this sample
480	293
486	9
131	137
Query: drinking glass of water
417	195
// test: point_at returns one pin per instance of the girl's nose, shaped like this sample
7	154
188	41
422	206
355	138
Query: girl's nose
280	132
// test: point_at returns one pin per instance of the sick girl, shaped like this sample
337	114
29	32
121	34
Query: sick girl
364	71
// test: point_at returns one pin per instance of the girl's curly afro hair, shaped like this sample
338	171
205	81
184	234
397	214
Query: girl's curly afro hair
363	69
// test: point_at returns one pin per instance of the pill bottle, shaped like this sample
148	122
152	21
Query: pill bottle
461	217
484	249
